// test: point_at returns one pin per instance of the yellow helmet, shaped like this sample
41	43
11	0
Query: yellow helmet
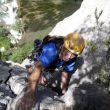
74	43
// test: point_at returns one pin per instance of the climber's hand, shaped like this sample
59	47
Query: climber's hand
43	81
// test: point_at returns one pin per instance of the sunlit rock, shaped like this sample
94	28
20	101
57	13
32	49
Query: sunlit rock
92	21
10	9
15	36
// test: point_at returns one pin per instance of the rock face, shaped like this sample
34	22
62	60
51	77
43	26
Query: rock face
86	96
4	72
92	21
10	9
13	81
85	18
5	92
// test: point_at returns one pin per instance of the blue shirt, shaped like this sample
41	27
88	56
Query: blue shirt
50	57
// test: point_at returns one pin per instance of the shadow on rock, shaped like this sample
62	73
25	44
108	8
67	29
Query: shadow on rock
91	97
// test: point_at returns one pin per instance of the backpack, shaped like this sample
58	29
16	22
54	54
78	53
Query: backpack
38	44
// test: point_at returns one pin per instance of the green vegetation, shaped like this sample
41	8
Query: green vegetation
3	31
92	46
18	26
21	53
104	73
104	78
4	42
42	14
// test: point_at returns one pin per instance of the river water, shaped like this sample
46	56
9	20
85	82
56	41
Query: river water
41	16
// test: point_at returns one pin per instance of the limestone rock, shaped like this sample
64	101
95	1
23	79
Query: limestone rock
92	21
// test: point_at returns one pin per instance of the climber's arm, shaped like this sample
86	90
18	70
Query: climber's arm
48	55
69	69
64	81
34	76
28	100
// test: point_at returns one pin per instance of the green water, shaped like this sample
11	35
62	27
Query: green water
40	16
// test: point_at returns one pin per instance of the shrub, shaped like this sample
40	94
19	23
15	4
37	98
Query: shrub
104	78
21	53
18	26
3	31
92	46
4	42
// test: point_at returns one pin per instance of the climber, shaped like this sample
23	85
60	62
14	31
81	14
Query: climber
56	54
